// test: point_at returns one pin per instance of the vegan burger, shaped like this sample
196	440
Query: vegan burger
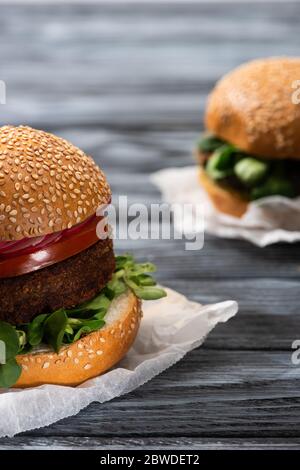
252	148
69	308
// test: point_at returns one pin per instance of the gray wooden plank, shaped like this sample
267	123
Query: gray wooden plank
148	443
208	394
70	70
218	259
268	316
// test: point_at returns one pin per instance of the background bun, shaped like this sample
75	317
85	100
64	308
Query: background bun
46	184
252	108
225	200
89	357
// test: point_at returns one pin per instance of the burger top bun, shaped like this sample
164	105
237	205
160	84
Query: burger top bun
46	184
252	107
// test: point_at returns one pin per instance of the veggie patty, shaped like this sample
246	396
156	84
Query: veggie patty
65	284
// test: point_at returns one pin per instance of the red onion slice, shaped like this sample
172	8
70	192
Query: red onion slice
30	245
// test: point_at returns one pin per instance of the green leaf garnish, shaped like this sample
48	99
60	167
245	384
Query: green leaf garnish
251	171
22	339
209	143
136	277
123	260
220	164
93	325
35	330
10	371
10	338
99	302
144	280
148	293
115	288
255	178
55	327
273	186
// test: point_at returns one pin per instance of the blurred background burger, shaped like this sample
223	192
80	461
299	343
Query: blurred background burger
252	146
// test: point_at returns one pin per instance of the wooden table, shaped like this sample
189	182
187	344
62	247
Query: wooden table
127	83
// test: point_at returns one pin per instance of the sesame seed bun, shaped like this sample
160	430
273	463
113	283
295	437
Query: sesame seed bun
252	108
225	200
46	184
90	356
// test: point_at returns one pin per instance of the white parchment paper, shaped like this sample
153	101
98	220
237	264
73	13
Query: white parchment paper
269	220
170	328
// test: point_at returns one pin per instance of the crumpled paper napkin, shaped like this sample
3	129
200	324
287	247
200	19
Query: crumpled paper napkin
170	328
269	220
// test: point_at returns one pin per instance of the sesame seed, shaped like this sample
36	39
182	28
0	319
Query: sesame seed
87	366
46	365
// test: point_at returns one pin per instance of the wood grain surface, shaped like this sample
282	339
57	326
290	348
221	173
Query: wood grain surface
128	83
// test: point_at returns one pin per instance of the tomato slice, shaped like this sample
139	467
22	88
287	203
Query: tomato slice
61	248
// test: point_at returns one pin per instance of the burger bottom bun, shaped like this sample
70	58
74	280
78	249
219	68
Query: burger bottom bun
226	201
91	355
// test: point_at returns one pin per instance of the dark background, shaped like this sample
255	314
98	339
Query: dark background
127	83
